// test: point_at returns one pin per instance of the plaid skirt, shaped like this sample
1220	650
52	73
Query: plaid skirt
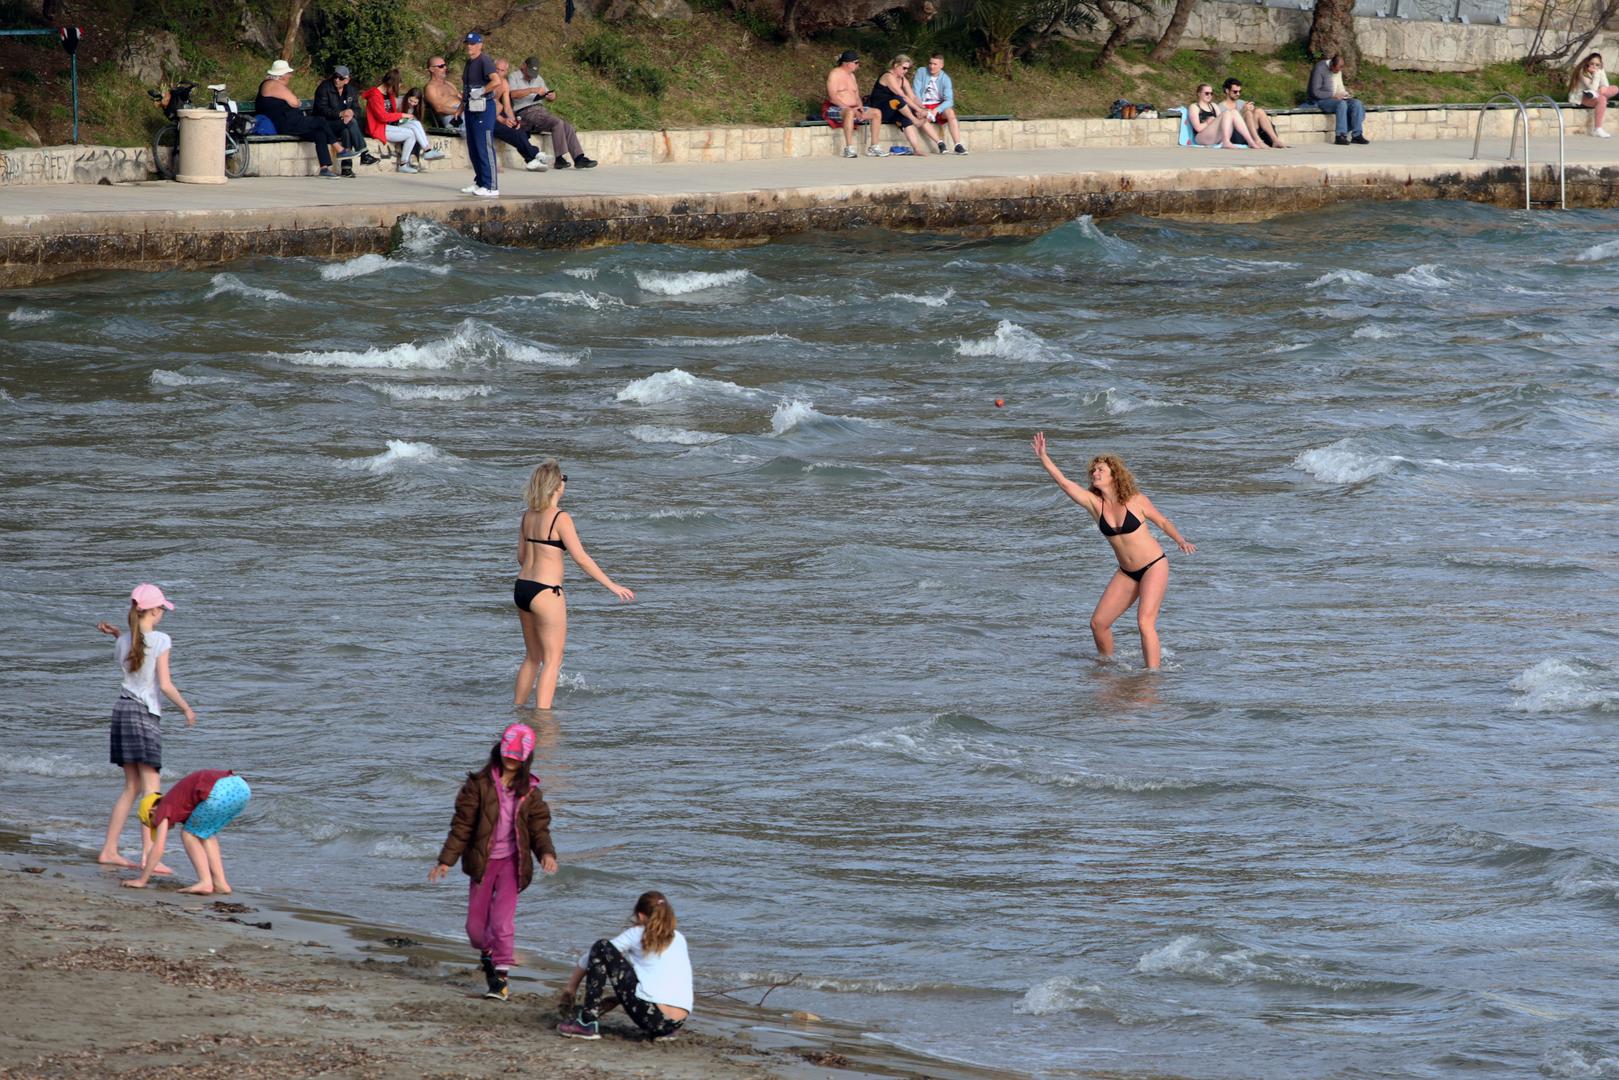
137	737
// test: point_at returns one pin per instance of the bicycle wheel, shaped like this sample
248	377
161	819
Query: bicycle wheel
166	151
236	156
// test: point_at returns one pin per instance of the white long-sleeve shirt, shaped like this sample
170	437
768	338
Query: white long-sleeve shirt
662	978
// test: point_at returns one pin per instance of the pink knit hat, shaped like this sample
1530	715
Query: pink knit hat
517	741
147	597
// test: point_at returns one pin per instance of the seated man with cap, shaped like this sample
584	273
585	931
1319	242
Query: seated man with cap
337	101
529	95
844	103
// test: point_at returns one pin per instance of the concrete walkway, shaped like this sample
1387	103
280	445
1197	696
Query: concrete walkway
47	231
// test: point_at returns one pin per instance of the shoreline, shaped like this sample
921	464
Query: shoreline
52	232
247	986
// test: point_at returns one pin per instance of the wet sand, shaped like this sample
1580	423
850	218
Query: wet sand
107	981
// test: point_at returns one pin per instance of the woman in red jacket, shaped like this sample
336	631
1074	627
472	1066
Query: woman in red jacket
501	826
386	121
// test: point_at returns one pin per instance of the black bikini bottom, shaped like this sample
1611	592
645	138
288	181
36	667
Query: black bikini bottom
1134	575
524	592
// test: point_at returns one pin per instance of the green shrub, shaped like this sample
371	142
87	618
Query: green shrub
368	36
611	55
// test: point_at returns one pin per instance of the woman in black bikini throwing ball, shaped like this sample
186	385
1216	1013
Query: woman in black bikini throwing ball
1120	508
542	536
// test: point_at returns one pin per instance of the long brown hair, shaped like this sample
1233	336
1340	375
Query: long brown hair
1124	481
1579	70
421	103
137	639
659	930
543	484
497	761
391	82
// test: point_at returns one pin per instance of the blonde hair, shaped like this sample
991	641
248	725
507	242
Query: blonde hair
1124	481
137	639
659	930
902	58
543	485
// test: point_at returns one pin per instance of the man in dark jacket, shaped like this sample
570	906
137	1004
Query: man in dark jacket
337	99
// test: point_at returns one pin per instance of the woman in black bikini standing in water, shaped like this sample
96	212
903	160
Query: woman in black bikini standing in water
542	536
1119	508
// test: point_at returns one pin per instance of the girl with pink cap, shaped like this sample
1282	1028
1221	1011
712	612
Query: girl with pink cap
501	825
137	735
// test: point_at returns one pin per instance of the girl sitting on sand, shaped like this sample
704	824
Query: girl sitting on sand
648	968
543	534
501	823
137	735
201	804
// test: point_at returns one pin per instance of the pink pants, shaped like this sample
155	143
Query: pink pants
492	910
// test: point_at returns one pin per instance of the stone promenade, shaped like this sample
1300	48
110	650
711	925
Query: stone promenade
48	231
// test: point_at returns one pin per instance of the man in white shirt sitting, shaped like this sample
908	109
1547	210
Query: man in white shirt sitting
529	95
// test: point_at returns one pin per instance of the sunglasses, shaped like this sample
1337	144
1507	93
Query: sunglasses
564	478
1205	93
435	65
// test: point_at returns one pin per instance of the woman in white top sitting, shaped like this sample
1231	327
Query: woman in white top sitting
1588	86
648	968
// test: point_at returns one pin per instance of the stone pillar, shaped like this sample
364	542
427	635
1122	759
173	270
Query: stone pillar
202	146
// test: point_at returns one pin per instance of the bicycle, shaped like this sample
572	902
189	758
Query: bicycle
166	143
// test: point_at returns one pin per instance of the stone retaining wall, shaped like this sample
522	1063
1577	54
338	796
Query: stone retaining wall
111	164
770	143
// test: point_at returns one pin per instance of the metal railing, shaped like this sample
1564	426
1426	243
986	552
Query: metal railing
1522	117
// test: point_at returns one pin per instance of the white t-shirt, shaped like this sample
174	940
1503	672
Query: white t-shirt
664	979
516	82
142	685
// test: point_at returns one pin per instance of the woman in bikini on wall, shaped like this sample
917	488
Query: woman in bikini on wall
1120	509
542	536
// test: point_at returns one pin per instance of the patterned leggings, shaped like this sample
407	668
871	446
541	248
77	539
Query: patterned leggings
607	965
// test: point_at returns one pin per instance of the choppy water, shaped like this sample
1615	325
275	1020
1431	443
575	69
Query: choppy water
1364	824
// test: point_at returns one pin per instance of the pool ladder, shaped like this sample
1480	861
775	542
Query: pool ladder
1522	117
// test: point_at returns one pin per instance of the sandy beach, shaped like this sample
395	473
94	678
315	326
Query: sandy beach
106	981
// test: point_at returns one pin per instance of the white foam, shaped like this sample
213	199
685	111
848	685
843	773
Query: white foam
1009	342
583	273
6	396
932	300
231	285
677	385
1559	686
791	414
1342	277
471	342
653	433
1344	463
162	378
1116	402
721	342
1374	332
422	236
404	847
1599	252
1426	276
689	281
1058	995
23	315
1586	1062
56	766
822	982
365	265
399	452
428	391
593	301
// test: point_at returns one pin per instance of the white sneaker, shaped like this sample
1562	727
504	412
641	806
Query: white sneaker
487	193
876	151
471	189
534	164
849	151
433	155
408	167
1602	133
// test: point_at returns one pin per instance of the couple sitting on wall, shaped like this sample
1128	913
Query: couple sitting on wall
1233	122
928	102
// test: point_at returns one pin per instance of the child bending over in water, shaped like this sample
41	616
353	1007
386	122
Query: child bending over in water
201	804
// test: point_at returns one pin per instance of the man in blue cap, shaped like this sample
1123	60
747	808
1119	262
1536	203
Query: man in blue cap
480	86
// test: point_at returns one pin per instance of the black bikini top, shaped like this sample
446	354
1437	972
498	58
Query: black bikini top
548	541
1129	525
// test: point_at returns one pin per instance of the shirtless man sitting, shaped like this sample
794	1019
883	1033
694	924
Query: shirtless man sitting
844	93
443	99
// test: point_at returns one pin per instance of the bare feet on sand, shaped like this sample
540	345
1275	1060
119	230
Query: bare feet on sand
199	889
112	858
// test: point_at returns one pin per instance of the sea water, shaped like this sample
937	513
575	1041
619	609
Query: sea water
1363	824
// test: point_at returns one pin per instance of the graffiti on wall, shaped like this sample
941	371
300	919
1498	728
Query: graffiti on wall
74	165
